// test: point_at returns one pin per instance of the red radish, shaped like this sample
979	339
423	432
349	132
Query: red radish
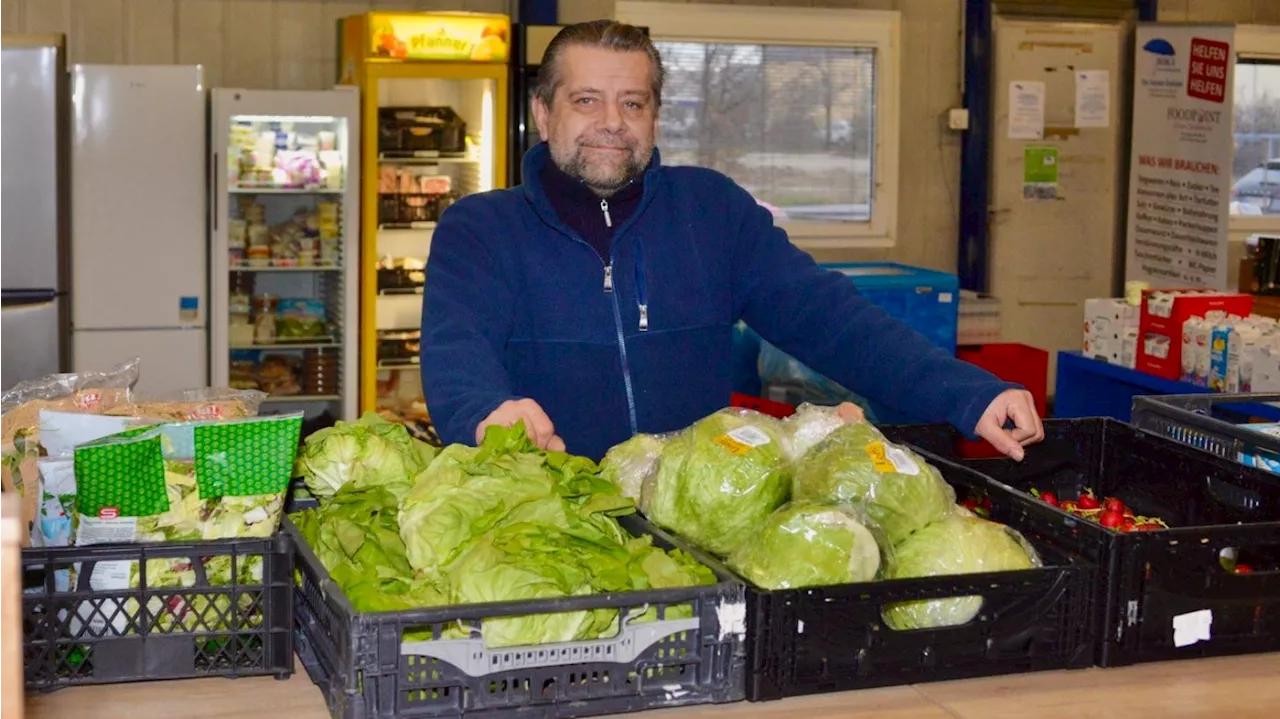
1243	569
1147	526
1087	501
1113	503
1049	498
1068	505
1128	524
970	504
1111	518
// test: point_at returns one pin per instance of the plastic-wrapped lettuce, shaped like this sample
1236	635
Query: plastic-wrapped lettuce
959	543
720	479
808	545
371	451
183	482
807	427
630	464
856	466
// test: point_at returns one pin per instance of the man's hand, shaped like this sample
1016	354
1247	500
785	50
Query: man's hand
1015	406
536	423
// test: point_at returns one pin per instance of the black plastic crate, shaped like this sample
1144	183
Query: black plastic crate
819	640
410	130
1150	579
365	669
407	208
1209	421
93	636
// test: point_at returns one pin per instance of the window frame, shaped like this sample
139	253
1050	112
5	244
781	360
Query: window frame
816	27
1255	42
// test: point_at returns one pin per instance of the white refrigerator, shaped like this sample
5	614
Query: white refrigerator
139	248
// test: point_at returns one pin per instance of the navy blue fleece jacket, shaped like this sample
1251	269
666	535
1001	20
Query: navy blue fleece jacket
518	305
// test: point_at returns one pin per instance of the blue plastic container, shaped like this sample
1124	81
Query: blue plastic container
927	300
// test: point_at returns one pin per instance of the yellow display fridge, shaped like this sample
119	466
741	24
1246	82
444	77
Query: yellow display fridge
434	93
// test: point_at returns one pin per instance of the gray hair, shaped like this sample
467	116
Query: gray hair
606	34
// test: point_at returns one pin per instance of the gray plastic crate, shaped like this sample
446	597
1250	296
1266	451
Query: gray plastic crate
1206	421
366	670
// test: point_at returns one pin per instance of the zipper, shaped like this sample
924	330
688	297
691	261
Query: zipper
642	290
608	277
604	207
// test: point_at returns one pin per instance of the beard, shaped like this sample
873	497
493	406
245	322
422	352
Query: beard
599	173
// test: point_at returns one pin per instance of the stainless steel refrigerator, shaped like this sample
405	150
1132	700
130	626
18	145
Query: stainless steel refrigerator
35	314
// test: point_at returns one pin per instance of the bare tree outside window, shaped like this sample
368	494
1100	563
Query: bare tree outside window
794	125
1256	168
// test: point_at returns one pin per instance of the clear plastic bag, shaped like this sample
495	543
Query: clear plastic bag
804	544
20	450
959	543
720	479
630	465
203	403
807	427
856	466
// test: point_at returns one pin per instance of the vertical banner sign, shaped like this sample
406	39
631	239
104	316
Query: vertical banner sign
1180	167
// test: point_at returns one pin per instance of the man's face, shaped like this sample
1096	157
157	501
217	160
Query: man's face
601	125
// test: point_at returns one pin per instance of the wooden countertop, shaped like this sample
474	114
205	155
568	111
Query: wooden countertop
1231	687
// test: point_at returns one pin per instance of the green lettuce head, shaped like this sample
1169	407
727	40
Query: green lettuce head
856	466
719	480
630	465
808	545
372	451
959	543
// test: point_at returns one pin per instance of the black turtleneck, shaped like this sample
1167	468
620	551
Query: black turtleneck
579	208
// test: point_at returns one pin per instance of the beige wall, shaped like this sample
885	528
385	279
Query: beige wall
241	43
1247	11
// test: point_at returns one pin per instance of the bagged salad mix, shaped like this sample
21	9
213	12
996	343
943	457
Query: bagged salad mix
181	482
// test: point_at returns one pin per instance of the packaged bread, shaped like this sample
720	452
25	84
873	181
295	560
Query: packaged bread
20	450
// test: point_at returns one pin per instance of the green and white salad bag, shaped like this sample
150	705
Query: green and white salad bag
180	482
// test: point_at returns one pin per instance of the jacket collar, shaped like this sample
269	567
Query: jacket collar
536	159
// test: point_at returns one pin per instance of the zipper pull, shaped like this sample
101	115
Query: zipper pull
604	207
608	278
644	318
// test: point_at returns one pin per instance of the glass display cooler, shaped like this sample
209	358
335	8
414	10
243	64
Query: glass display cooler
284	255
435	88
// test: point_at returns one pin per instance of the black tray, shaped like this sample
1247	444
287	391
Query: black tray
91	636
831	639
357	660
1149	578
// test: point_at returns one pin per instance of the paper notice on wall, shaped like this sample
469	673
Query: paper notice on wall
1026	110
1093	98
1180	170
1039	173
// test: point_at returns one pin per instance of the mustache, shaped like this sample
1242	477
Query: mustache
615	142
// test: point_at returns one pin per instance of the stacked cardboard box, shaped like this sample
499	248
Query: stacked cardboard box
1111	331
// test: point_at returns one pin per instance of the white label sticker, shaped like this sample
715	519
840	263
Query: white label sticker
106	577
1192	627
901	461
944	297
120	530
750	436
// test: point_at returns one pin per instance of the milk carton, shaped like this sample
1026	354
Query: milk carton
1266	366
1201	338
1220	333
1191	332
1241	345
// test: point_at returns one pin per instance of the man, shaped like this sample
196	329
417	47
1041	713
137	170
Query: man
597	300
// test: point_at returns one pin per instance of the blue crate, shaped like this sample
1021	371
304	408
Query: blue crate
925	299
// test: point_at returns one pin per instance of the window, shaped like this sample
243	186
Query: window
799	106
1255	190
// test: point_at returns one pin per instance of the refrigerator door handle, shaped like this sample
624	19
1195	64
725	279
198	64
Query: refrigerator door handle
213	190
